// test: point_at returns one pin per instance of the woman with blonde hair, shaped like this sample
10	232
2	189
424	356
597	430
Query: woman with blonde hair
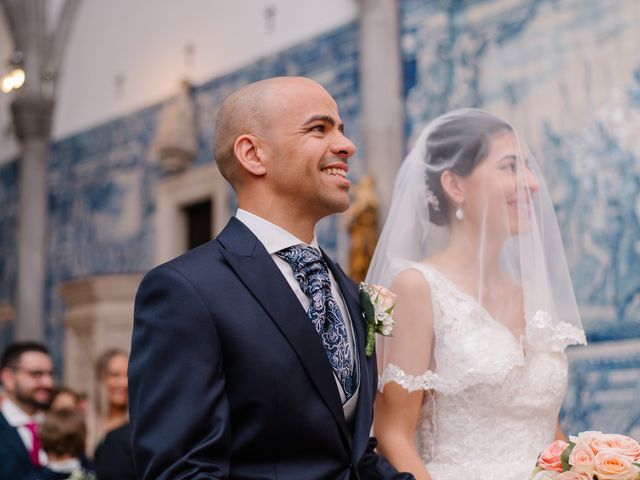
111	395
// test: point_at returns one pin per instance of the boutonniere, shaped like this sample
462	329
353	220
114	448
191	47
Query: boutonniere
377	305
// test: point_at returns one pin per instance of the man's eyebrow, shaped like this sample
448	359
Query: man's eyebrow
324	118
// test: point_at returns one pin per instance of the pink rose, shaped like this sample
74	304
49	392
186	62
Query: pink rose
611	465
587	437
386	298
571	475
581	459
551	458
620	443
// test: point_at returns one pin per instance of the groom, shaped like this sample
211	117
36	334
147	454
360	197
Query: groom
248	355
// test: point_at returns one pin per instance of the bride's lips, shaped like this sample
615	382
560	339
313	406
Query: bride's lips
337	170
521	205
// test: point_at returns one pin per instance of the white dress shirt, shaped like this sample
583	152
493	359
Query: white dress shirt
19	419
275	239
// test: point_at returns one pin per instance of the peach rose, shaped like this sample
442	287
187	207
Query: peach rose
587	437
551	458
622	444
611	465
581	459
571	475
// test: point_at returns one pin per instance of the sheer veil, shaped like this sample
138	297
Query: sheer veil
470	203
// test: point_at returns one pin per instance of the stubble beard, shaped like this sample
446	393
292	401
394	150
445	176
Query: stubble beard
29	400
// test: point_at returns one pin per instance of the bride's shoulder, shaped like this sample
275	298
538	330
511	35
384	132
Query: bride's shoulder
411	282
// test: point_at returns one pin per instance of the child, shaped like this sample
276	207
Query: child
62	436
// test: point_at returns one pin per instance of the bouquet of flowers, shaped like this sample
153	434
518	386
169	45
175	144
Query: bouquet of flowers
590	456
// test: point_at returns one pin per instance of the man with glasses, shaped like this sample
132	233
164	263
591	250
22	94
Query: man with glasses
26	371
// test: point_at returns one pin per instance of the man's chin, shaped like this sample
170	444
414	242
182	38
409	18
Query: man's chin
326	207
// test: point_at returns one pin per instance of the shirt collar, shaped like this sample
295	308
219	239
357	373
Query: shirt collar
273	237
18	418
65	466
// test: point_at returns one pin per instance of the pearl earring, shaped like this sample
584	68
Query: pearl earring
459	213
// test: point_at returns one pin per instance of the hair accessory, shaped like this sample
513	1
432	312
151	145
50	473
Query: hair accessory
431	197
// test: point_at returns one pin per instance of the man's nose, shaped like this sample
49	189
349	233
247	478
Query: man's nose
343	147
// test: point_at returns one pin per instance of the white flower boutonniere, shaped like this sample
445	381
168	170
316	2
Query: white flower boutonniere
377	305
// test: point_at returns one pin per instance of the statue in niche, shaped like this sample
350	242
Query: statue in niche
361	221
176	140
7	312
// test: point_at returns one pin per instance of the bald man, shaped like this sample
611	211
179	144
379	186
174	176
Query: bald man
248	359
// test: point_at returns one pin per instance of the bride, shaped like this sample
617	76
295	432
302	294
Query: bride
474	374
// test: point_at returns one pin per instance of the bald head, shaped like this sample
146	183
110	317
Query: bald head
247	111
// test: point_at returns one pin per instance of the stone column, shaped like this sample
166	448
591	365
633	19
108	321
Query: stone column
38	47
381	89
98	315
32	120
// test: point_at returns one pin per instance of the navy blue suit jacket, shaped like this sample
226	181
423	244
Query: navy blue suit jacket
229	379
14	458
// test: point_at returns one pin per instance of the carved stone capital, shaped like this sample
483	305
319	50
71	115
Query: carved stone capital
32	117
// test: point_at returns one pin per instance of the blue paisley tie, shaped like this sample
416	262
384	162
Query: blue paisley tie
312	275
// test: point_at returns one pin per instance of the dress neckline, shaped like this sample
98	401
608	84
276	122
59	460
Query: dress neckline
519	340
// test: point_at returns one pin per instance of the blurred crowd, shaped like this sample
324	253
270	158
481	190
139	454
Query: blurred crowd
51	431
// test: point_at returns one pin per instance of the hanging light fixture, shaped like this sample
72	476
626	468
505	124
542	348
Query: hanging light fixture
12	80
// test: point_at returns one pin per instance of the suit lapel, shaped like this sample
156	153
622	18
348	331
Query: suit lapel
256	269
363	419
10	435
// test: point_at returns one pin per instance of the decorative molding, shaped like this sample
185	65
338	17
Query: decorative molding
176	192
98	315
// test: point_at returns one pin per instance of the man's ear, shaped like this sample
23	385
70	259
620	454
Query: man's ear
452	186
250	155
7	379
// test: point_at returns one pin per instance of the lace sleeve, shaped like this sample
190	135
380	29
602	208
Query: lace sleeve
405	356
392	373
543	331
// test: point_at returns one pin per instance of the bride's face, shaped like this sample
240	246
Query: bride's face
498	191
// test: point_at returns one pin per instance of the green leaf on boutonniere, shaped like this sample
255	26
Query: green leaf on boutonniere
369	314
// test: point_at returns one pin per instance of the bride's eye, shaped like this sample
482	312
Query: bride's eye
511	166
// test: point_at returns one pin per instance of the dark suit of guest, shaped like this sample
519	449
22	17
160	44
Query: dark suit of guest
229	379
14	458
114	457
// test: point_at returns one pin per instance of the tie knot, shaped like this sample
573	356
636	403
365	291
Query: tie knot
301	257
309	268
32	427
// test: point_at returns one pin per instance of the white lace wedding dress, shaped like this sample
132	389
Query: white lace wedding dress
492	401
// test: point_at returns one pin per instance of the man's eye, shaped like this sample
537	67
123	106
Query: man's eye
318	128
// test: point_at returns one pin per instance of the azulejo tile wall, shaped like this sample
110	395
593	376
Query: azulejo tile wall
566	74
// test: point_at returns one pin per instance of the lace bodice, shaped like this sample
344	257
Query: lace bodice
492	400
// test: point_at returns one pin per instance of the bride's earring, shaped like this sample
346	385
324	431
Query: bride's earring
459	214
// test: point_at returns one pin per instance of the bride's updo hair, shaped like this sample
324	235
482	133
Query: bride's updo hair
459	141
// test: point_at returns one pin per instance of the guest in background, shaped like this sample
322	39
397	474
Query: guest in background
26	371
65	398
111	398
63	436
114	456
